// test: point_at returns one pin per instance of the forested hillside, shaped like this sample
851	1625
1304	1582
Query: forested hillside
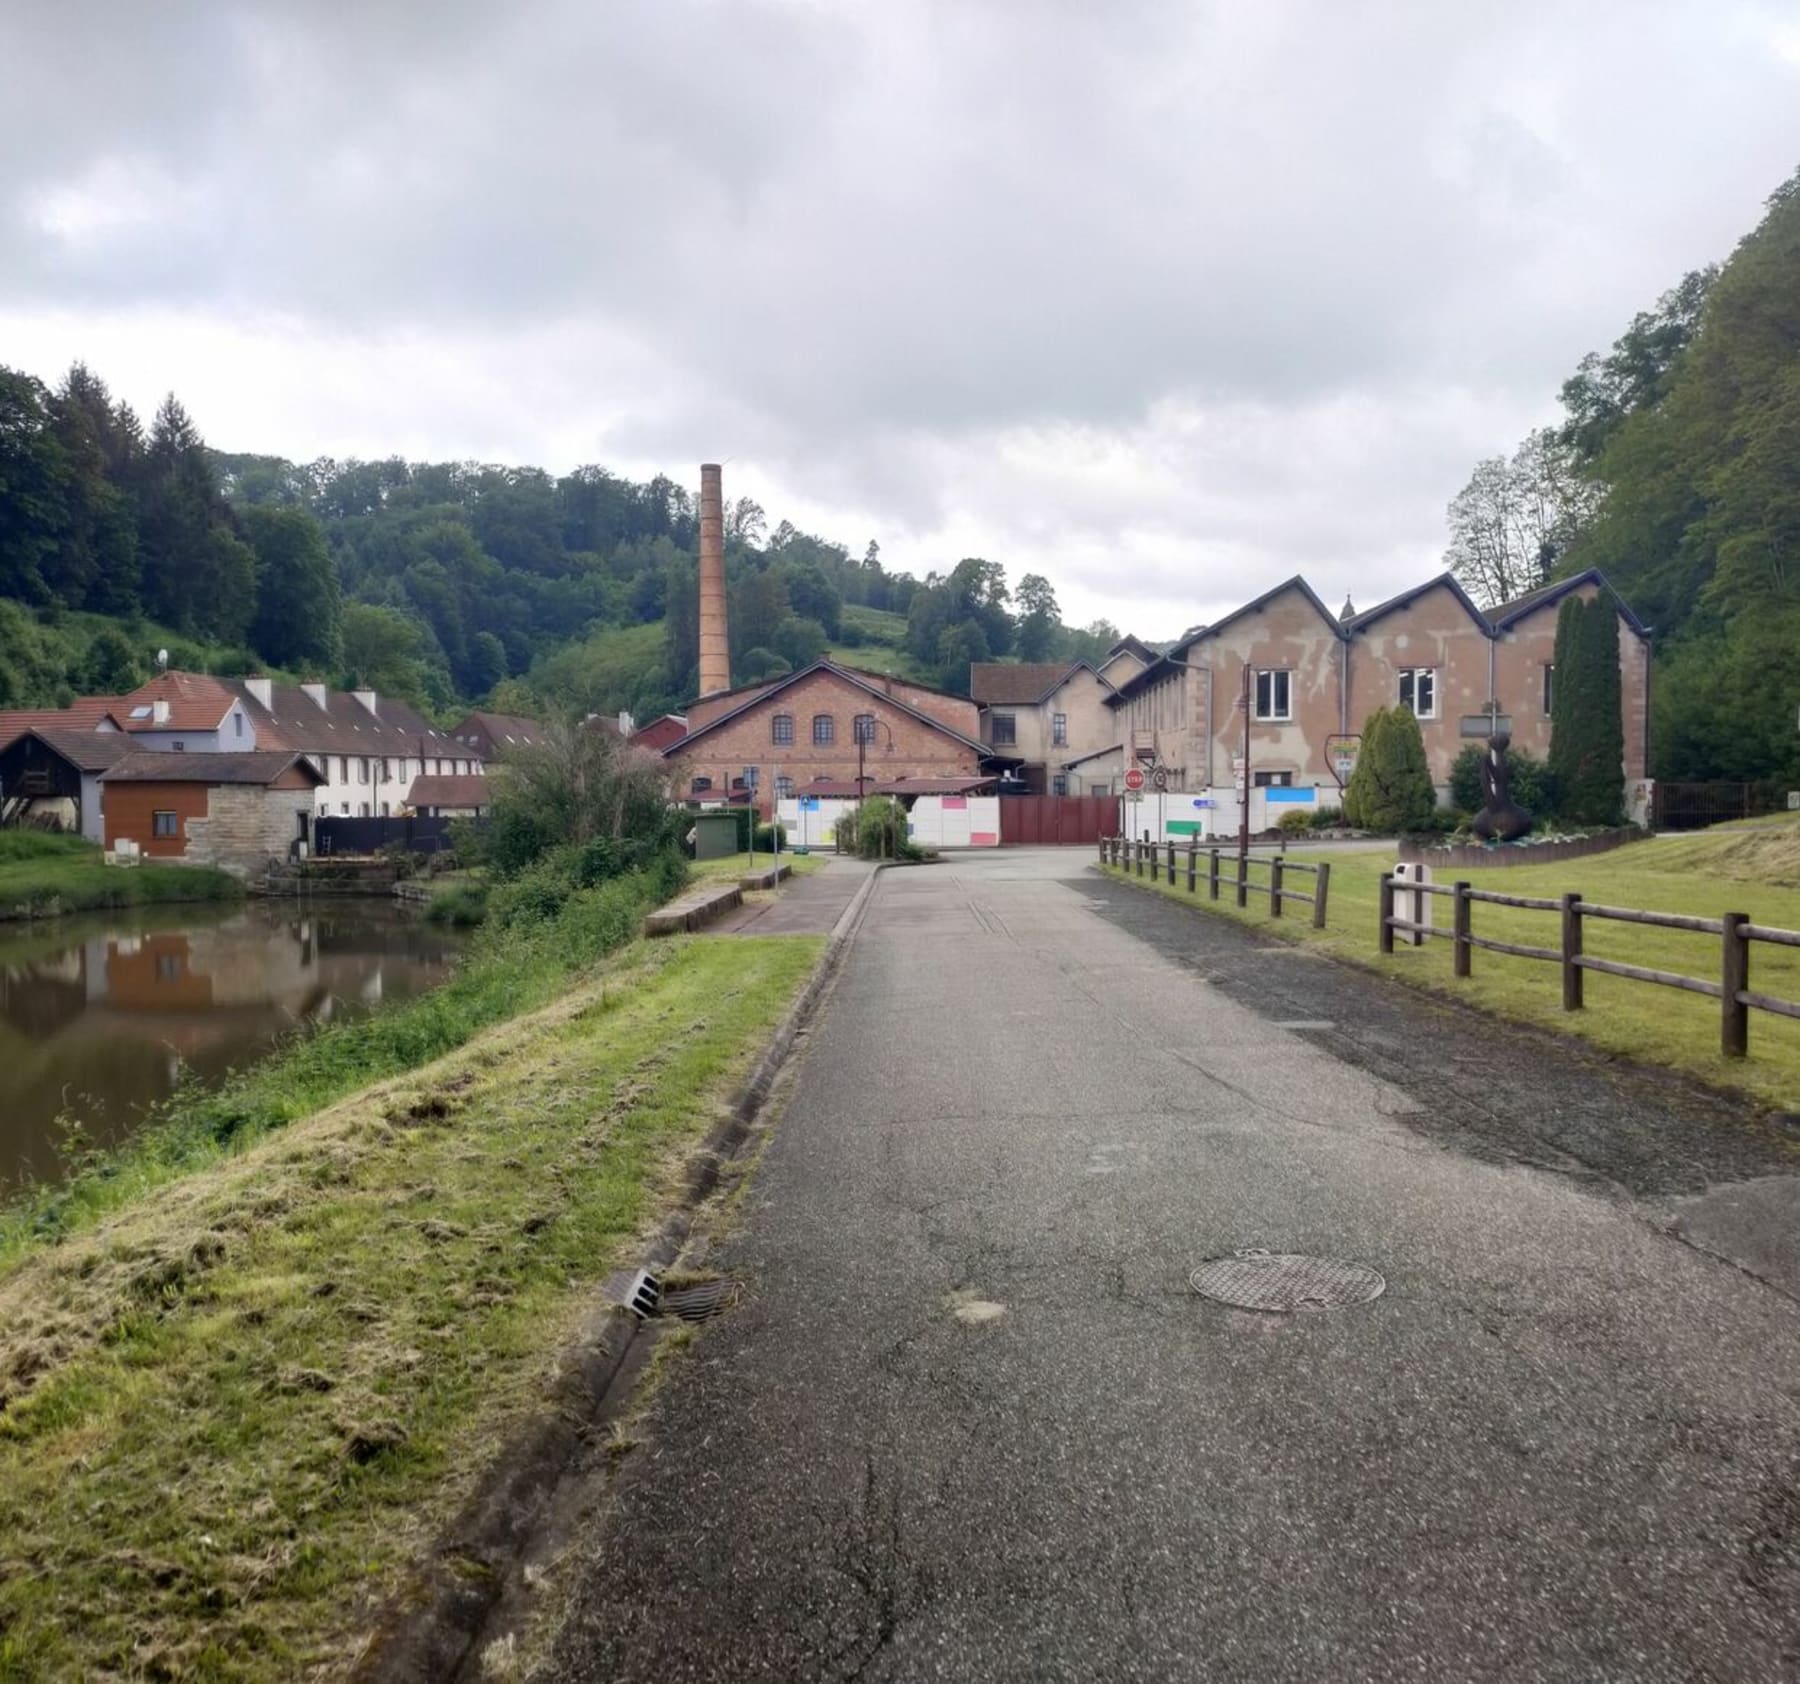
1677	470
445	583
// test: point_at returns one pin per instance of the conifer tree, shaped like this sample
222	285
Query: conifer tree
1391	788
1587	737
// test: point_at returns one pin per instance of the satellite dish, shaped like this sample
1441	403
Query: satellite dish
162	660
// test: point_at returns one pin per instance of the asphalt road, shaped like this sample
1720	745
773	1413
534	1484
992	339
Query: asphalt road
971	1421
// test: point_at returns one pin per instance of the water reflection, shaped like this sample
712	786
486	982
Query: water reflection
99	1016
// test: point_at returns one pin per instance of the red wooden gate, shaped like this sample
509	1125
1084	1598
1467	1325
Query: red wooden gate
1058	820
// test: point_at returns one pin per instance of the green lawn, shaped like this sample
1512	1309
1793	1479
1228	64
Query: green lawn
1704	875
44	875
733	866
240	1409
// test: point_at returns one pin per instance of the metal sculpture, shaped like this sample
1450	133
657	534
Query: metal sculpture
1501	819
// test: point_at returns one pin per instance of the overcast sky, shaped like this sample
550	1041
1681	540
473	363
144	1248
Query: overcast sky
1164	301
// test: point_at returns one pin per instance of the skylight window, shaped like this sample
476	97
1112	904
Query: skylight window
142	712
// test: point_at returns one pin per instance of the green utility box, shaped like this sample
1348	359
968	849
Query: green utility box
715	835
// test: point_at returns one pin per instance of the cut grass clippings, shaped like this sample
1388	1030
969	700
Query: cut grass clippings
44	875
507	971
242	1407
1702	875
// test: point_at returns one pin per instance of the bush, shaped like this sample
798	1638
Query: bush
1294	823
462	905
1326	818
1390	790
1532	782
877	831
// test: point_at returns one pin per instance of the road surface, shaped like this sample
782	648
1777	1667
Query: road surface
972	1422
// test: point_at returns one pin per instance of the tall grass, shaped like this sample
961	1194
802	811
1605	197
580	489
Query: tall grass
514	965
43	875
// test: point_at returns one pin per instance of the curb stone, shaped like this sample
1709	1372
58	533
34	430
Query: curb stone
472	1582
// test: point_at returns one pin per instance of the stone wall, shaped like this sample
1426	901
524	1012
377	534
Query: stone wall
246	825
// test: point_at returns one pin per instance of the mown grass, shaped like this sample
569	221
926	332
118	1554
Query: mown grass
1703	875
44	875
522	964
240	1409
733	866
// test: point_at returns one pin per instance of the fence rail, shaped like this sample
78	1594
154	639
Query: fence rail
1132	854
1736	934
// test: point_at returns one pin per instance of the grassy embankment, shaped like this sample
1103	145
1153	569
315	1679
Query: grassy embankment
43	875
233	1413
1703	875
880	646
733	866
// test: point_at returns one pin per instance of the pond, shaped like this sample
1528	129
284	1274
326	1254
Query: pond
101	1015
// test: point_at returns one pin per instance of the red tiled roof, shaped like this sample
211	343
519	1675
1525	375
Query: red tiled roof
344	726
447	791
83	714
197	702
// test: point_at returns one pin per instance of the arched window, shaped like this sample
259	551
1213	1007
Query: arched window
700	786
824	729
781	730
865	728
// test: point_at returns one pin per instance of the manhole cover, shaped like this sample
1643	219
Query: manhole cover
699	1303
1261	1280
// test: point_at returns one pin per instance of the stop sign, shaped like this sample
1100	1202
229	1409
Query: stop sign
1134	779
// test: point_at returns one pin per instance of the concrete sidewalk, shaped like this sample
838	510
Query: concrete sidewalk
972	1421
804	906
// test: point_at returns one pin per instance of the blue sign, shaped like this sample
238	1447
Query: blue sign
1289	795
809	803
1202	800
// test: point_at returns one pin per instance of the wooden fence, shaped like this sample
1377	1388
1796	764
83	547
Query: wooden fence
1735	933
1133	855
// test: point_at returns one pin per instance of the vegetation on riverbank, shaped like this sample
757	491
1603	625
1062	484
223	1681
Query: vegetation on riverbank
233	1415
1705	875
523	961
43	875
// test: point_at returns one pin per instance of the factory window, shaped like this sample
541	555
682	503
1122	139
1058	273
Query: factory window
865	728
1418	691
1059	730
1274	694
824	729
700	786
784	788
1059	785
1272	780
1006	730
1549	670
781	730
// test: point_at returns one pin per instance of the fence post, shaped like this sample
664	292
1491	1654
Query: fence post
1141	846
1460	949
1321	885
1103	850
1243	880
1571	951
1275	870
1193	856
1171	863
1212	874
1734	978
1385	901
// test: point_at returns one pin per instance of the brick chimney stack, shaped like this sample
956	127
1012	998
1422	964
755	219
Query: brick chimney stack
715	643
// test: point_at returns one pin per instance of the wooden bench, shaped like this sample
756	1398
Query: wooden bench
694	910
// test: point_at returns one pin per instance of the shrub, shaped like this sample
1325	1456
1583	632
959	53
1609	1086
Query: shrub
1587	741
1390	790
462	905
1532	783
1294	823
877	831
1326	818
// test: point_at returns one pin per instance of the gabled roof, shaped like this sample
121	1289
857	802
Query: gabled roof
1132	645
1139	682
162	766
1017	683
508	730
85	750
1361	622
1189	639
1509	613
344	726
450	791
85	713
868	683
197	702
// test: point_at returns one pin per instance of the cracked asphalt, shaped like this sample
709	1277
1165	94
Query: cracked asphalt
1564	1444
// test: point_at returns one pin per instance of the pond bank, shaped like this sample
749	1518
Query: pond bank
50	876
318	1341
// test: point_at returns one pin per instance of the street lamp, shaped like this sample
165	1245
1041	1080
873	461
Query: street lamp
864	727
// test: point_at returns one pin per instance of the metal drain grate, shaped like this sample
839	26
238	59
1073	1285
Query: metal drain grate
1261	1280
699	1303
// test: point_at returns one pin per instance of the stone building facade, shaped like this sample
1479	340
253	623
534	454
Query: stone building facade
234	811
1313	675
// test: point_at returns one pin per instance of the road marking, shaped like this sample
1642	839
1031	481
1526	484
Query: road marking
1301	1023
